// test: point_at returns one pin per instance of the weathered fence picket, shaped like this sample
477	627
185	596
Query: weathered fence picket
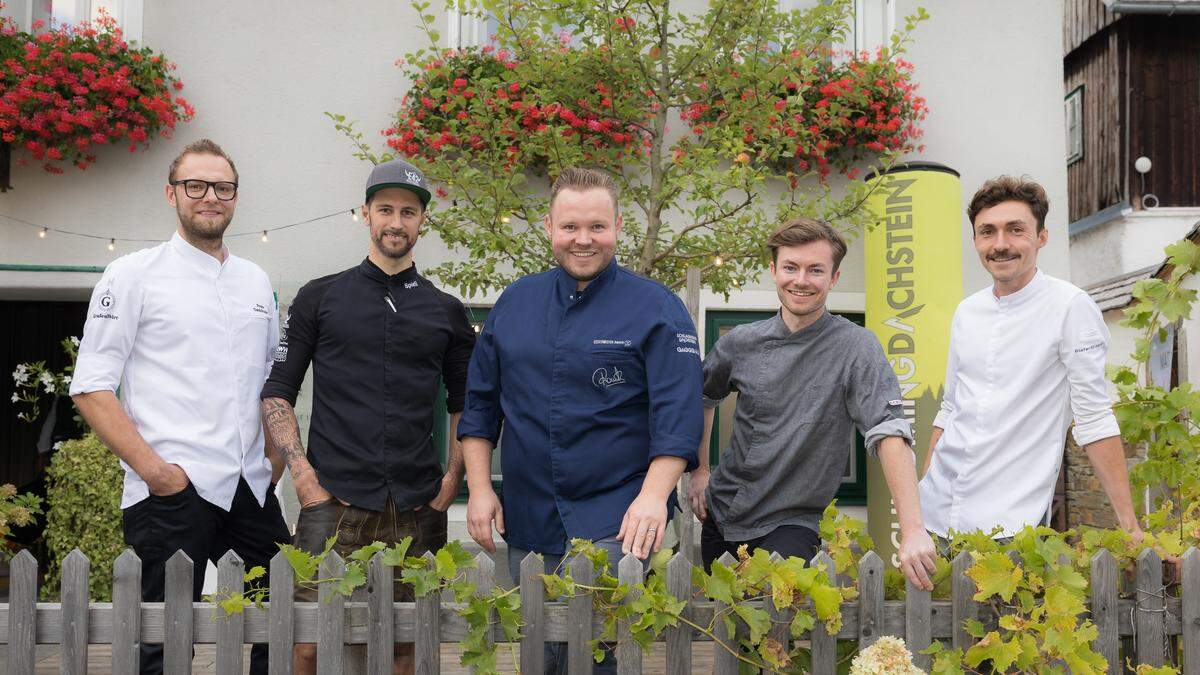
724	661
177	624
679	638
781	618
22	614
127	613
75	612
824	645
428	638
282	619
1104	610
533	655
230	627
1149	609
380	617
1163	623
579	622
629	656
963	607
870	599
484	577
918	624
331	617
1191	612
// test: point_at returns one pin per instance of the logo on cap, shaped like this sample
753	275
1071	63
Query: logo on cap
413	177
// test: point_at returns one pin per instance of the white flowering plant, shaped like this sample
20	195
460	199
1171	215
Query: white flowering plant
888	656
32	381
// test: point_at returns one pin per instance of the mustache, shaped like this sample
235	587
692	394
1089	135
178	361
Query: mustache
1003	253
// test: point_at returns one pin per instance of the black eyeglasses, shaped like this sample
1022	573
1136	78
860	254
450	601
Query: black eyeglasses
196	189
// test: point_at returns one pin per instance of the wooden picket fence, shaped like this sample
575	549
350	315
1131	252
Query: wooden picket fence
1151	617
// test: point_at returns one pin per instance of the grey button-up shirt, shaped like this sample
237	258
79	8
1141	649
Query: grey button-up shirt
800	395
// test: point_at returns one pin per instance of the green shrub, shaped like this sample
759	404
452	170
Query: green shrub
83	510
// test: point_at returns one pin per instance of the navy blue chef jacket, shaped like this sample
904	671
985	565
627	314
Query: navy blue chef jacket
589	386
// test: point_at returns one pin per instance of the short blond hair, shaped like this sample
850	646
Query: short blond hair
582	179
203	146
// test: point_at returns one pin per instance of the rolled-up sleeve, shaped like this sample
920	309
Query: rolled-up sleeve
949	406
481	415
110	330
873	397
718	368
1084	348
457	358
674	382
294	352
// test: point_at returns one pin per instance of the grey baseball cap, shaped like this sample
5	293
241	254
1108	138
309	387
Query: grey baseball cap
400	174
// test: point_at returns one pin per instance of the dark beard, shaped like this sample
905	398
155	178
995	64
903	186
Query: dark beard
396	255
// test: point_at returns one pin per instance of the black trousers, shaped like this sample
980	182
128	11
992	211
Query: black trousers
156	527
786	540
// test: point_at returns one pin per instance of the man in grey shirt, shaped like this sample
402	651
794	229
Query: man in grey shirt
805	378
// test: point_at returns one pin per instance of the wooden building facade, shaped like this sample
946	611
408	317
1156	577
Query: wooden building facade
1132	89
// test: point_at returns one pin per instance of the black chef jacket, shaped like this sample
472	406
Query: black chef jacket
377	345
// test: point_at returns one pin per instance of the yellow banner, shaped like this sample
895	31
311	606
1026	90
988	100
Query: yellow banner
913	284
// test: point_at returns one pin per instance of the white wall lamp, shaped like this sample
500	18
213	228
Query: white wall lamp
1142	165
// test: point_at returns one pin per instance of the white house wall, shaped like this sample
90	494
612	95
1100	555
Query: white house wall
262	74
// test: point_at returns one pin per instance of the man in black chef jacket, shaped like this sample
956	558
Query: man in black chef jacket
378	336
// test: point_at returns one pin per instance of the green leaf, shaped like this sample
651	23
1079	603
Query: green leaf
719	586
352	579
993	648
757	620
365	553
395	555
995	574
303	563
423	579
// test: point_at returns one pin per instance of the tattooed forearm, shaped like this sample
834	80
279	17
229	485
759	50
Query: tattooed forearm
283	432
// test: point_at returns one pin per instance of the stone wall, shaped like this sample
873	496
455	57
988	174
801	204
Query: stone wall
1087	504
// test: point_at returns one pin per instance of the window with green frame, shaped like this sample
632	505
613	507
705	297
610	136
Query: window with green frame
441	419
716	324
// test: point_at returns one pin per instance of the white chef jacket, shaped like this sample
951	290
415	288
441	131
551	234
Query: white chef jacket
189	341
1020	367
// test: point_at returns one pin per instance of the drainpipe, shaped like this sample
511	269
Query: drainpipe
1167	7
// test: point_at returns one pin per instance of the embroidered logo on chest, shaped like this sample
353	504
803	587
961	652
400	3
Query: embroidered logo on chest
410	284
602	380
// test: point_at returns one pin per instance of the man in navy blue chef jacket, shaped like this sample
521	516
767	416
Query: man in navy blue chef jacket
593	374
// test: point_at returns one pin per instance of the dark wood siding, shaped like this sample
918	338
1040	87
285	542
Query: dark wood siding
1081	20
1164	104
1097	181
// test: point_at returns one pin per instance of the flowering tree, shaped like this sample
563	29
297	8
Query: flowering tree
67	90
763	112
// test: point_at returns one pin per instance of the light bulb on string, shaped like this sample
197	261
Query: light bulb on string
354	214
717	260
112	244
505	219
43	232
264	237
